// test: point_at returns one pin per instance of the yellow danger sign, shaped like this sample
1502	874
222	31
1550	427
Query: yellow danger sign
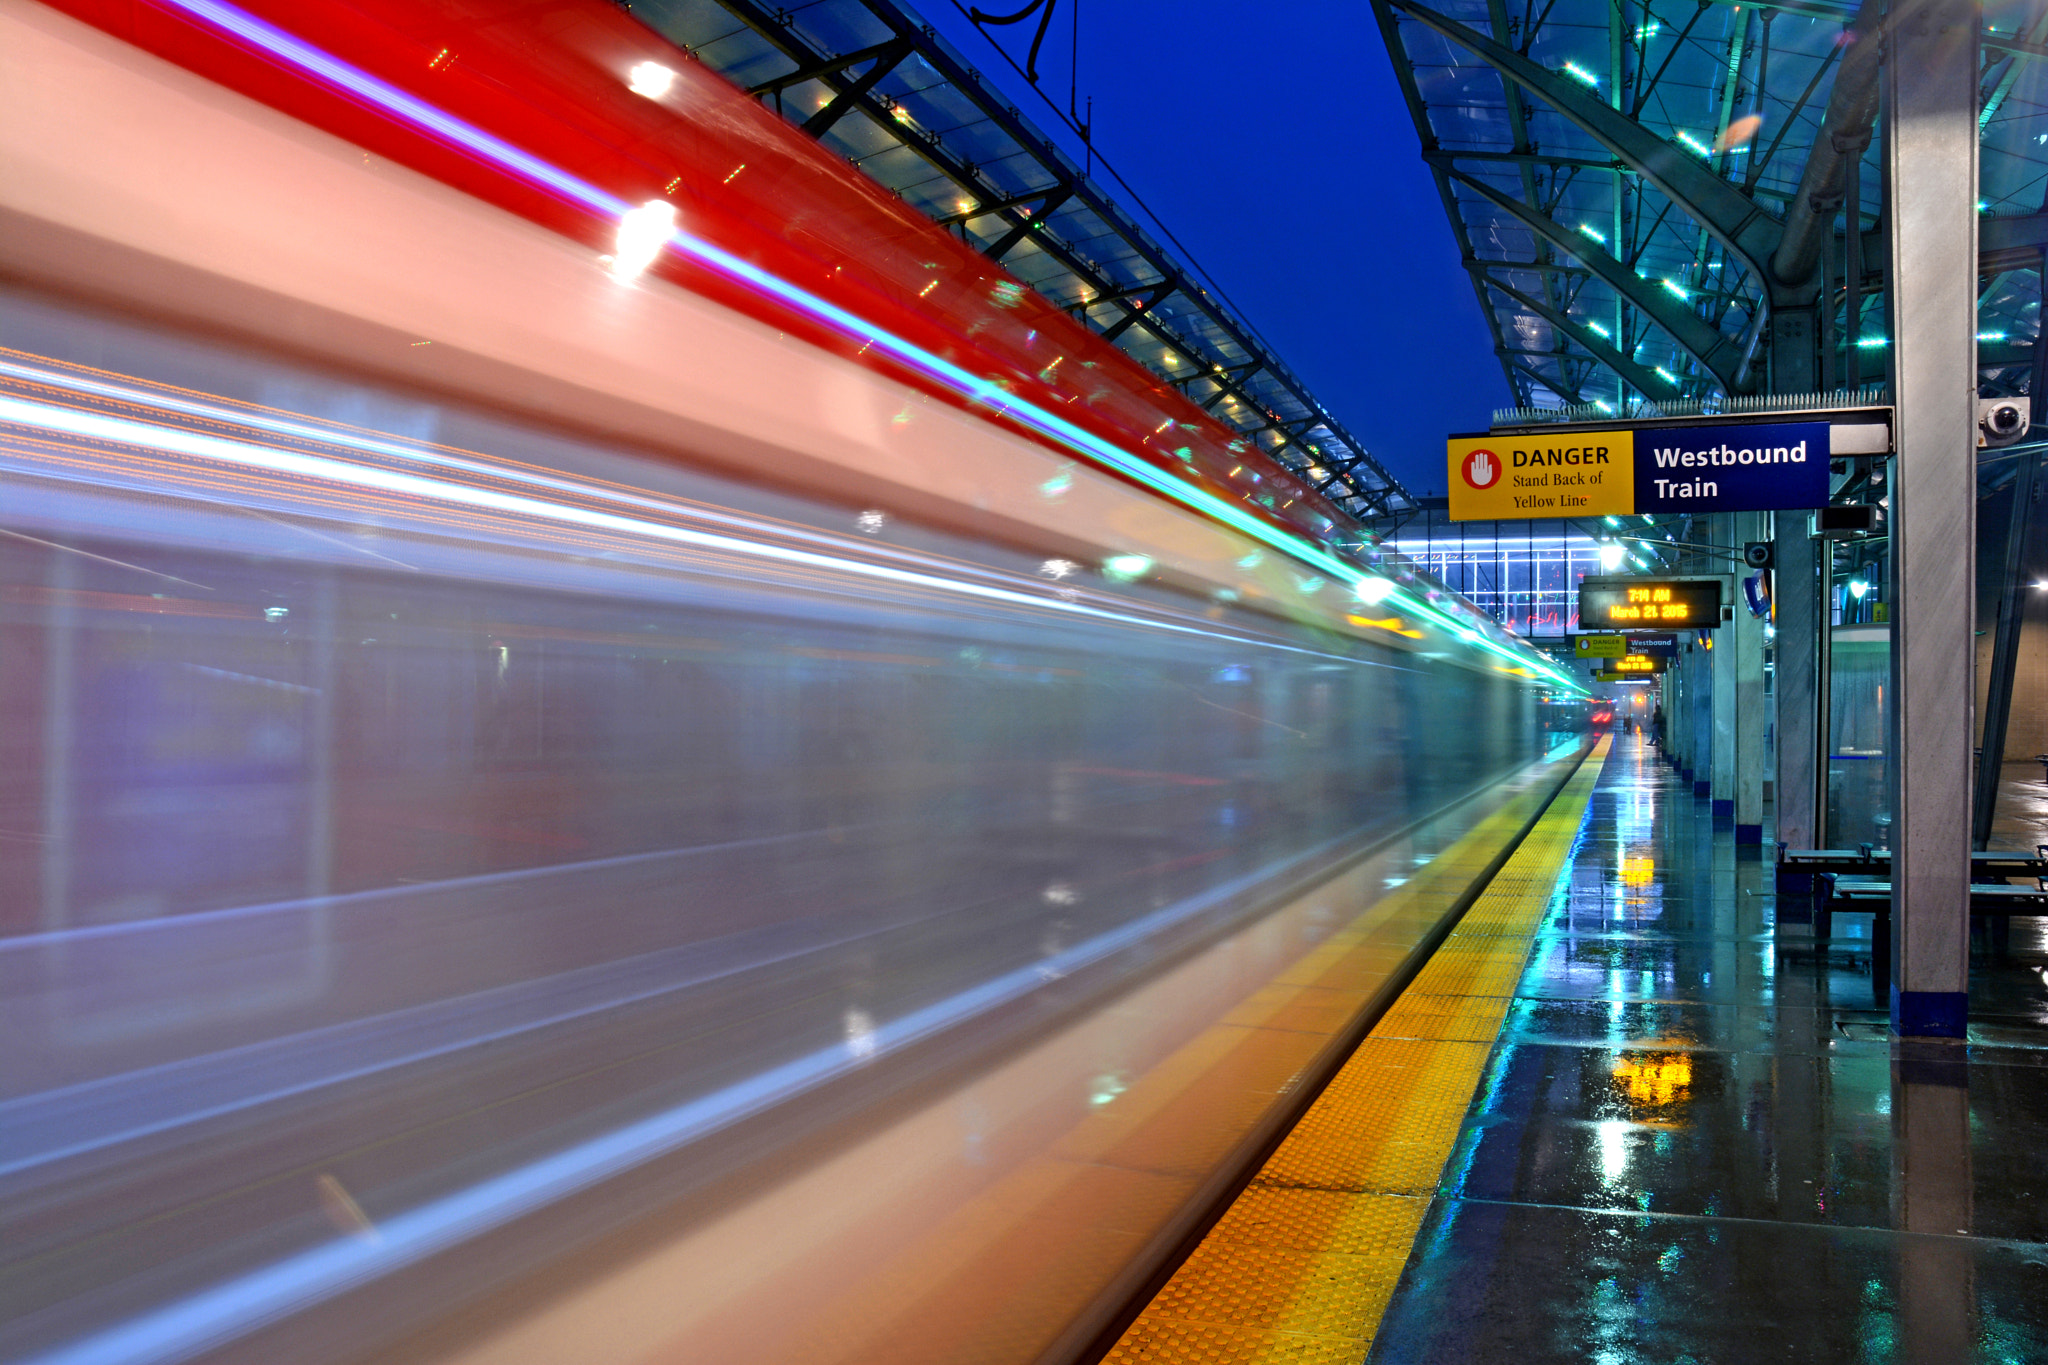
1599	646
1565	474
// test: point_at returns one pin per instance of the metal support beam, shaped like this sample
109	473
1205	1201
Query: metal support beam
811	71
1719	355
843	103
1700	682
1449	159
1741	225
1135	313
1844	133
2005	653
1727	708
1003	245
1930	110
2012	243
1642	378
1795	593
1750	717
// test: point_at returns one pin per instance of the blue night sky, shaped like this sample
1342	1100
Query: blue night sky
1273	142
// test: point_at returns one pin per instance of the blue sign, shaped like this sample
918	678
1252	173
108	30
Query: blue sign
1732	468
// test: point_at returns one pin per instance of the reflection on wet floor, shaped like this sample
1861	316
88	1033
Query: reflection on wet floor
2021	820
1697	1142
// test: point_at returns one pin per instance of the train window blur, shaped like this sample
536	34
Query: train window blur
360	838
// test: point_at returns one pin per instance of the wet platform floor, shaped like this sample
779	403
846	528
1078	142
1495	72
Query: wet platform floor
1696	1141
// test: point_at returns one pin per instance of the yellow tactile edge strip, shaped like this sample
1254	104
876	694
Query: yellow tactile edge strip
1301	1267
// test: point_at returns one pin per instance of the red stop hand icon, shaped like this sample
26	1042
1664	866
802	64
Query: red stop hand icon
1481	469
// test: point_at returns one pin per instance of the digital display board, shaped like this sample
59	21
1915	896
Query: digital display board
1638	663
1693	604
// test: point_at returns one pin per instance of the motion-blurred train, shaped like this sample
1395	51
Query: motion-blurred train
614	747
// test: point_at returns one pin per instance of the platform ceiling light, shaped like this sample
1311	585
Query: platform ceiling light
1990	336
1580	74
1611	555
1603	405
1668	377
1613	521
643	232
1678	289
1872	343
1694	144
1590	231
1598	330
651	79
1857	587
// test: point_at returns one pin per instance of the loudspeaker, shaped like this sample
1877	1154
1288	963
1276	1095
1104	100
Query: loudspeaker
1757	554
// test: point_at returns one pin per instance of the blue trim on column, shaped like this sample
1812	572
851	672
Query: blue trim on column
1702	787
1930	1014
1724	810
1749	834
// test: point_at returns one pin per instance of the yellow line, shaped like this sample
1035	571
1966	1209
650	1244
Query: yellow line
1302	1265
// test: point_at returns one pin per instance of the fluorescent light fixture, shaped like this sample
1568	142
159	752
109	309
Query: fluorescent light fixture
1590	232
1987	336
1872	343
1680	290
1857	587
1597	329
1668	377
1580	74
1611	556
651	79
1612	521
1695	144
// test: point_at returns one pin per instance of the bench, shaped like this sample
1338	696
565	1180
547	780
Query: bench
1873	896
1798	867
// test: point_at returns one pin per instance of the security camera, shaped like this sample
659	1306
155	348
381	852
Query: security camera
2001	421
1757	554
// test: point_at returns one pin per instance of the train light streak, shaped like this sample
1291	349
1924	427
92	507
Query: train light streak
587	513
975	389
643	232
1373	591
216	1315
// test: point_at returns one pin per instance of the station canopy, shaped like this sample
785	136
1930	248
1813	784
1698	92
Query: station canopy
1636	193
875	83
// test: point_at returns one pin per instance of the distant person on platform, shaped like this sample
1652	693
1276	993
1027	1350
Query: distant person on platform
1657	724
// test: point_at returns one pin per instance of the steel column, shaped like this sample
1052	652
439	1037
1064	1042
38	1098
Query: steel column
1728	755
1701	684
2005	652
1750	717
1796	592
1931	182
1824	699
